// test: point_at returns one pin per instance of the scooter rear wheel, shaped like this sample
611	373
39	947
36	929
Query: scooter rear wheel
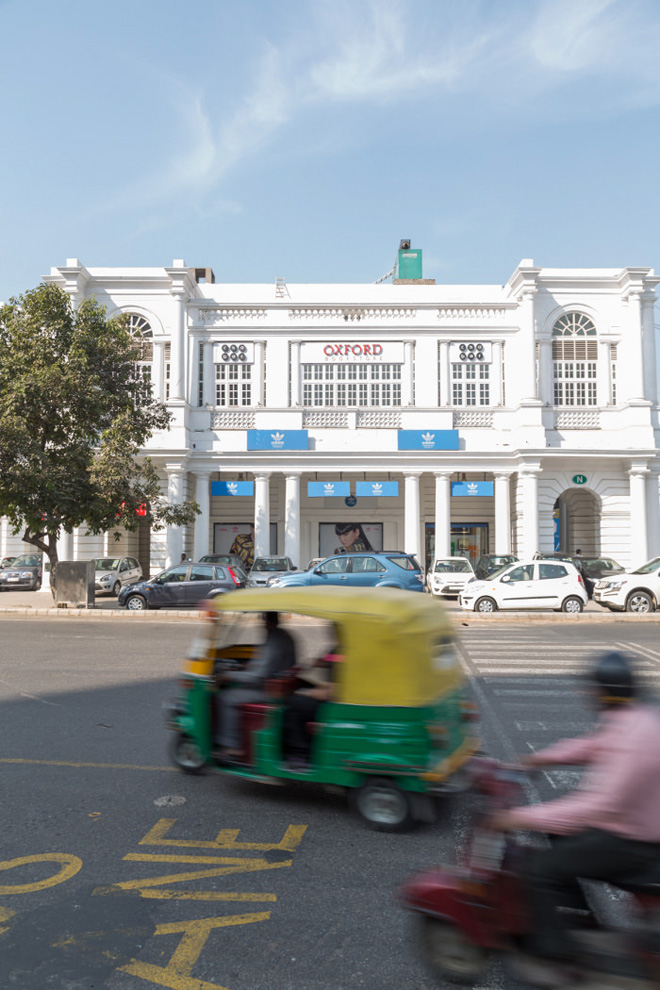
449	953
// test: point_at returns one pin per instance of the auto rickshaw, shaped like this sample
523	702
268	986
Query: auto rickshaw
399	730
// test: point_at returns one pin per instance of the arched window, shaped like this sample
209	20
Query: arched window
574	360
140	328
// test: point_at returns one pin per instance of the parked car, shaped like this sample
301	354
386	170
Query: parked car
488	563
112	573
448	576
6	561
384	569
228	559
23	572
182	586
266	569
555	584
591	568
631	591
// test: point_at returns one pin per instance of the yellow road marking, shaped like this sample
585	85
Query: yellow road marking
69	867
176	974
94	766
5	915
225	839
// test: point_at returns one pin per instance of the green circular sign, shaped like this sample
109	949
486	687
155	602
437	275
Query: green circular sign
579	479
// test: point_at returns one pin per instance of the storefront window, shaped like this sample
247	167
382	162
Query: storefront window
351	385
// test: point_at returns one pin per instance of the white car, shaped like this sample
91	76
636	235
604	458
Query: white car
266	570
555	584
112	573
632	591
448	576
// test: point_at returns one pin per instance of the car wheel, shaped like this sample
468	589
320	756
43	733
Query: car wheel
485	605
116	588
382	805
136	603
187	755
36	585
448	952
572	605
640	602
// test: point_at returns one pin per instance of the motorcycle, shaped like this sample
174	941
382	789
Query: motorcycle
467	913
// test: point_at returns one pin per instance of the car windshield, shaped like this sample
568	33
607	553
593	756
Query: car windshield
600	566
652	565
106	563
498	570
406	563
270	564
458	566
27	560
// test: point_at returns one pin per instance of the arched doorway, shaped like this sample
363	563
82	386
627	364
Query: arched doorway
577	522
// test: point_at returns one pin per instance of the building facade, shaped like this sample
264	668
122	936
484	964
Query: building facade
432	418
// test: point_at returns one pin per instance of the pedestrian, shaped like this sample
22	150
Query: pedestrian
578	553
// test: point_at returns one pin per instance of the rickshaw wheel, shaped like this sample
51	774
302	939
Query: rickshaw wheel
382	805
186	754
449	953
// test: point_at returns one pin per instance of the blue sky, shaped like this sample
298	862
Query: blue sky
305	138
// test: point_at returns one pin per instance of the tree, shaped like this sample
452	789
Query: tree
76	410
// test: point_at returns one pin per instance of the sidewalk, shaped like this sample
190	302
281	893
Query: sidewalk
40	604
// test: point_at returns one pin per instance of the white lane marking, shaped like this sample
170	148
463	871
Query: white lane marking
562	728
644	651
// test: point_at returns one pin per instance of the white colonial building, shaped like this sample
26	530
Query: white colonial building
476	418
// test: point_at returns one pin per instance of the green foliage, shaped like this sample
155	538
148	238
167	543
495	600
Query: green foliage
76	410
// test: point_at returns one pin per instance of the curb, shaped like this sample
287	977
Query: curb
108	613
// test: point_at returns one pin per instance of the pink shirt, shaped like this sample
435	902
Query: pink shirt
621	791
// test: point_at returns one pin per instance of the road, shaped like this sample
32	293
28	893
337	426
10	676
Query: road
119	872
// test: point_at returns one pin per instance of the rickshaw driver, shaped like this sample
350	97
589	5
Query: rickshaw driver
277	653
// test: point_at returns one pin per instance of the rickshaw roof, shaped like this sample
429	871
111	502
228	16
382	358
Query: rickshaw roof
392	640
389	606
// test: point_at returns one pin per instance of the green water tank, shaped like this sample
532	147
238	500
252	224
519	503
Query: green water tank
409	263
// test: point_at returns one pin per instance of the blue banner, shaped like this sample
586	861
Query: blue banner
377	489
328	489
471	488
277	439
232	488
428	439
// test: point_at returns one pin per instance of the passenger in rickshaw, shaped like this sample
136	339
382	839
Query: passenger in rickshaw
301	707
276	654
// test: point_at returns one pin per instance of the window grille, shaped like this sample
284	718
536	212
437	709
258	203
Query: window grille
200	374
168	369
351	385
233	385
575	361
464	384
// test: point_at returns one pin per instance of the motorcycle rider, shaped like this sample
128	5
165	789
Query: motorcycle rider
610	825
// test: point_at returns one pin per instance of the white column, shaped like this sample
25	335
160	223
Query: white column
530	513
639	538
442	514
521	368
294	363
292	518
178	353
408	375
496	374
604	372
633	348
502	514
545	373
653	515
648	346
4	536
262	514
174	537
209	374
157	371
411	522
444	376
259	374
65	546
203	499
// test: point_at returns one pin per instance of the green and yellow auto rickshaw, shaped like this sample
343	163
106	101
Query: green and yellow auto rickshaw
399	729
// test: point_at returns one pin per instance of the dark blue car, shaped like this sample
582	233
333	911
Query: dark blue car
384	569
183	586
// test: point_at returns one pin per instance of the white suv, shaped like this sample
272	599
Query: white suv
633	591
448	576
555	584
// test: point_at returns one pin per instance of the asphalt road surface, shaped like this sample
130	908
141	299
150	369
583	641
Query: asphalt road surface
119	872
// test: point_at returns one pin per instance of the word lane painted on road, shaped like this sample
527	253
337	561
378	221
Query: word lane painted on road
206	856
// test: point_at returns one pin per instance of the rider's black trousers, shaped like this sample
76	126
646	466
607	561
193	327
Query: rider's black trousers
591	855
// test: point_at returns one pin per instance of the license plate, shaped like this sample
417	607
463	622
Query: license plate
12	579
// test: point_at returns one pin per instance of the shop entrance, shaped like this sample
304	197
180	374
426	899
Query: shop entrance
467	540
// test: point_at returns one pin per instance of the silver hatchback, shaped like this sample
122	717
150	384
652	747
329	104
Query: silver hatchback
112	573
